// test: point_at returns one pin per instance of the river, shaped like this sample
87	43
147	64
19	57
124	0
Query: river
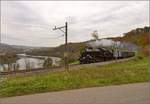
33	62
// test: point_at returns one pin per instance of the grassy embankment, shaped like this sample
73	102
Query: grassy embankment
132	71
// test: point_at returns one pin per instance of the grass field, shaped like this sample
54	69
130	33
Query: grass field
132	71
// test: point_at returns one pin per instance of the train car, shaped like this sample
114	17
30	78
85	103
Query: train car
92	55
126	54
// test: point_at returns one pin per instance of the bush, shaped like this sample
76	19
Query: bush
8	59
48	63
143	51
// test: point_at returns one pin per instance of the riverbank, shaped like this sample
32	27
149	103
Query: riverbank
132	71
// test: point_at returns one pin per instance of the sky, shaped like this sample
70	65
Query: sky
30	23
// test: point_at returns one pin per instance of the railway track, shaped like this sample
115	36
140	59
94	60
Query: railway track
72	67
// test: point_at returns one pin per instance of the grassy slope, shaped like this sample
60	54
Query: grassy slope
119	73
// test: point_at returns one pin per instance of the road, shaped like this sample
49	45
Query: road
119	94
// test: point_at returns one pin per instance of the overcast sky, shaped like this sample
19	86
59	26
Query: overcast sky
30	22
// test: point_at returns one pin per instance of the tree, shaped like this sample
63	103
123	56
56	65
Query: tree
48	63
8	59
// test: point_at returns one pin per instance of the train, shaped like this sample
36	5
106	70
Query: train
93	55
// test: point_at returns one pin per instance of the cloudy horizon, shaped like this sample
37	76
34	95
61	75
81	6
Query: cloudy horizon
30	23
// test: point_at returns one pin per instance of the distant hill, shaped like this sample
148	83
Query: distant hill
73	50
9	48
15	48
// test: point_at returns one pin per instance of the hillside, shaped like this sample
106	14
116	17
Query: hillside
138	36
9	48
16	48
73	50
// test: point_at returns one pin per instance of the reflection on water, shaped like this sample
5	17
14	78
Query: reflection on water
32	63
26	62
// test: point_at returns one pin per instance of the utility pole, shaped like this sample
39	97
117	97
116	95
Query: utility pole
66	43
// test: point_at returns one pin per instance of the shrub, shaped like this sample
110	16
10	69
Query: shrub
48	63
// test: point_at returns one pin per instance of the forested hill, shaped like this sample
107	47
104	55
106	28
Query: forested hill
139	36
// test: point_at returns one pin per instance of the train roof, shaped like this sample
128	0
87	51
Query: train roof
91	49
110	49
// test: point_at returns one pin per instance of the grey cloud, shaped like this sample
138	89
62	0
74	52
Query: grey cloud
11	37
31	25
22	15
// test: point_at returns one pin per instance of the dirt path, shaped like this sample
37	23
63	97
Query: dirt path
121	94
